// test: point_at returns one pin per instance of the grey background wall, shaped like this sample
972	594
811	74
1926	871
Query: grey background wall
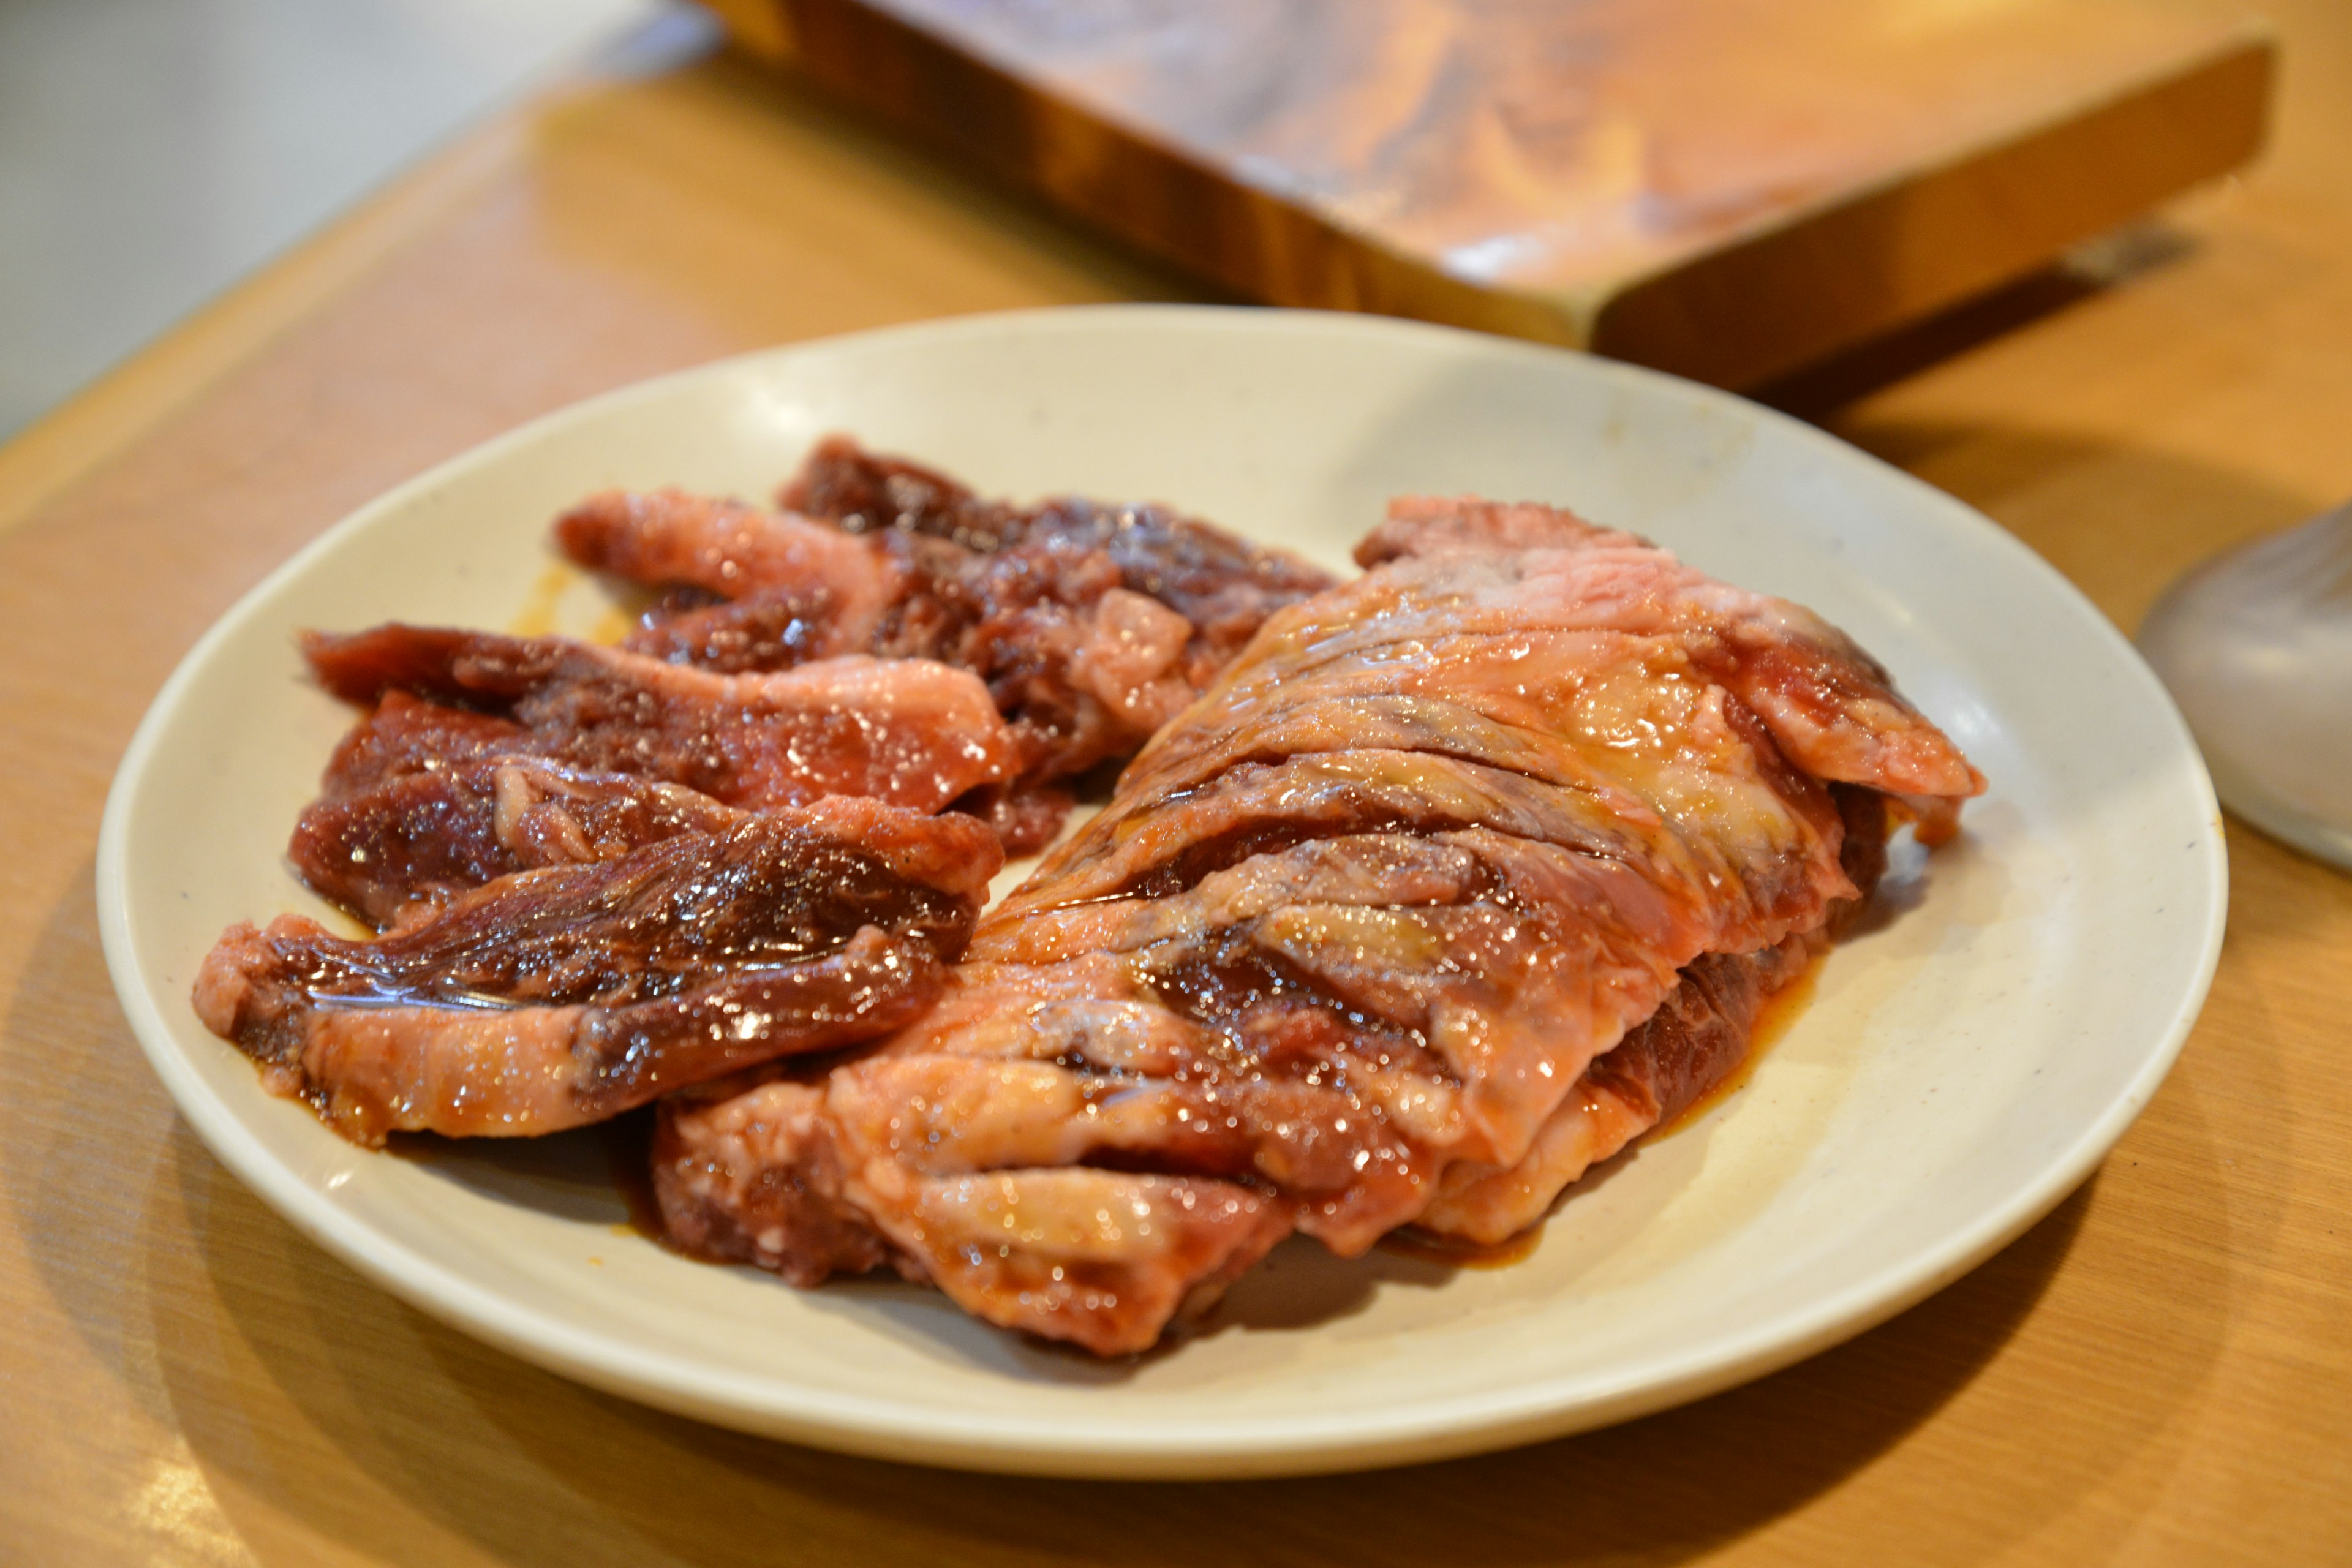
152	152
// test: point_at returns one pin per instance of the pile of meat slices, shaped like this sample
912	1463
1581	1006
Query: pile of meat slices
1425	892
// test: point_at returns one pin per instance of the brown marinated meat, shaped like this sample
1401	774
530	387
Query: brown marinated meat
911	733
553	997
1091	625
395	848
1360	934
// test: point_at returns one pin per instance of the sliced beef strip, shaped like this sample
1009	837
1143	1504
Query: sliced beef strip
404	734
395	848
908	732
1091	625
1104	1260
552	997
1082	668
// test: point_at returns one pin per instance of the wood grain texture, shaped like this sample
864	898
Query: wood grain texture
1724	188
2158	1374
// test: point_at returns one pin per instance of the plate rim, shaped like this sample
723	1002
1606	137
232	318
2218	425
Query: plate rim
893	1428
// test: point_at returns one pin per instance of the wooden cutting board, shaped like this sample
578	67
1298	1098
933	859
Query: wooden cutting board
1724	188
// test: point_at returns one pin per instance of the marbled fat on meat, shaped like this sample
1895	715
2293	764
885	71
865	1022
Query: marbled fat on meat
553	997
1092	625
1363	933
1222	584
394	849
908	732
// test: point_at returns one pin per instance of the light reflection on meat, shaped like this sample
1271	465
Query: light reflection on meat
1465	874
909	731
550	998
391	850
1425	892
1092	625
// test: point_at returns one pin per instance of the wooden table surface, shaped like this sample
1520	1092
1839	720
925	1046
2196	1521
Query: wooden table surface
2158	1373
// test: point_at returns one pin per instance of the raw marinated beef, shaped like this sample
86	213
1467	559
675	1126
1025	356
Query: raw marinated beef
1463	874
908	732
559	996
1092	626
1696	1041
395	848
1223	585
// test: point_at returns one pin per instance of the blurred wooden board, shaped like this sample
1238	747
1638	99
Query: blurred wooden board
1724	188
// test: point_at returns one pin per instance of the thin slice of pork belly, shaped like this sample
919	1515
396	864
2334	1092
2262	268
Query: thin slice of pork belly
553	997
908	732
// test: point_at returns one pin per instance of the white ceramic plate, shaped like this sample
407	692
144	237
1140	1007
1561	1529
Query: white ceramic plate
1962	1066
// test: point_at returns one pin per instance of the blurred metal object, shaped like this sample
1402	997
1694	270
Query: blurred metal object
2256	647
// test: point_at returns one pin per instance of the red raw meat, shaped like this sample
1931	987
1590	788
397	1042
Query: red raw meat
1462	875
559	996
909	731
1092	625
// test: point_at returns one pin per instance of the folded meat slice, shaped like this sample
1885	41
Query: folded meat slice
1696	1041
1460	877
1092	625
553	997
837	586
1101	1259
396	848
1700	1036
1221	584
908	732
1609	634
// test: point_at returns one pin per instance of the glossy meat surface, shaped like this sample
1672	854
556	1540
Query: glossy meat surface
1222	584
1698	1038
1105	1260
908	732
1092	625
1366	930
552	997
387	851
